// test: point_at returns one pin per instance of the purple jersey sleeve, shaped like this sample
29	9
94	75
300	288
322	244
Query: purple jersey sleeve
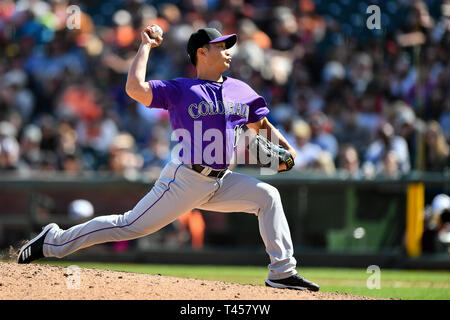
257	104
165	93
258	109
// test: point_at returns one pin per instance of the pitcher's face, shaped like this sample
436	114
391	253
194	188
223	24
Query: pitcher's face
218	56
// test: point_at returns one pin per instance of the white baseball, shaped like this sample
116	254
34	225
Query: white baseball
155	31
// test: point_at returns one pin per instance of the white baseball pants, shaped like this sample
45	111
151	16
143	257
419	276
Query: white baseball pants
178	190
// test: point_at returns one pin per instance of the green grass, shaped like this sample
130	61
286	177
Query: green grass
397	284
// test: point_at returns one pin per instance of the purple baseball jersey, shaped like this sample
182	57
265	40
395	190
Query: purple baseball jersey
204	114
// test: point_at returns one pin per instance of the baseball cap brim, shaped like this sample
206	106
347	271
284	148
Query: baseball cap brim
230	40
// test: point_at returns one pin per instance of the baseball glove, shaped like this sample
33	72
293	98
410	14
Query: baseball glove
267	152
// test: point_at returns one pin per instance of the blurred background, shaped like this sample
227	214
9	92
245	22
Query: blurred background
364	98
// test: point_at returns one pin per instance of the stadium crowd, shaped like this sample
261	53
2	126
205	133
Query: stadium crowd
377	105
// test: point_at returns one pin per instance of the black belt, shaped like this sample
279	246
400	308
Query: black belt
213	173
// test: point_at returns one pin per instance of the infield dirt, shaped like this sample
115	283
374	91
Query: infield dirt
45	282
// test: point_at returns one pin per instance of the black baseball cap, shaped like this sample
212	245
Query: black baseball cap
207	35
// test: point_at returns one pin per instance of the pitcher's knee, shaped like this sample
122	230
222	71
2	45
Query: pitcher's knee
132	228
270	193
138	226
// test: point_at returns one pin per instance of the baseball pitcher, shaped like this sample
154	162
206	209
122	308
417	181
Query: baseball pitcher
203	111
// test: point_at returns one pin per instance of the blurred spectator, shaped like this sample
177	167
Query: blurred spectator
49	163
250	52
193	222
319	135
370	106
436	224
310	24
361	72
333	72
134	123
31	153
307	153
324	164
404	76
410	128
9	147
378	151
49	140
80	100
123	158
348	131
157	154
95	137
20	97
389	167
68	139
285	26
418	17
348	162
71	164
437	151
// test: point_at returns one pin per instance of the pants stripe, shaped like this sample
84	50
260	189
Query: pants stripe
127	225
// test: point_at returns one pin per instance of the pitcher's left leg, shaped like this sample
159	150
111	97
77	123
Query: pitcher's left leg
241	193
274	230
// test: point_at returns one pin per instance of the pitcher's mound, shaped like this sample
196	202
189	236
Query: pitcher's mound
36	281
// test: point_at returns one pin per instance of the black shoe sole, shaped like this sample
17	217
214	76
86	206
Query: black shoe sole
284	286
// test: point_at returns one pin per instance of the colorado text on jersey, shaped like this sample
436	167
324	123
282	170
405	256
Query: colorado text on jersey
210	108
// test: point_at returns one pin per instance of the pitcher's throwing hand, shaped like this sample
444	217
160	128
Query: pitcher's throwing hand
152	35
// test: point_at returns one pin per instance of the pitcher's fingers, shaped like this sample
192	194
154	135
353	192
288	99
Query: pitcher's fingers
145	36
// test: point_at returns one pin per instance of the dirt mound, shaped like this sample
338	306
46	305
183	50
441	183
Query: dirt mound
36	281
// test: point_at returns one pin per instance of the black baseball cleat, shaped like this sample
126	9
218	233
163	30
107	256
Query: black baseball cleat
296	282
33	250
